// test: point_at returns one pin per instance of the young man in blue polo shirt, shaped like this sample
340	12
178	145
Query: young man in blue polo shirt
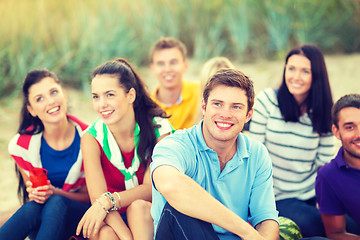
338	182
211	181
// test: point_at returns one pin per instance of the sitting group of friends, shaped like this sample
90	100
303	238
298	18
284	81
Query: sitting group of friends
130	175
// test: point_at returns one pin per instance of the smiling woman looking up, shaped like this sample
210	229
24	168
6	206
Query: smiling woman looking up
49	138
294	123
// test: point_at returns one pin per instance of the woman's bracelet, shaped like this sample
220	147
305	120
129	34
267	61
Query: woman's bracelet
112	201
116	193
97	200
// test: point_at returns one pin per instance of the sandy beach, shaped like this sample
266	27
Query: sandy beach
344	74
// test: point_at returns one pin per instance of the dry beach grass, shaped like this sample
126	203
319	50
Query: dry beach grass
344	73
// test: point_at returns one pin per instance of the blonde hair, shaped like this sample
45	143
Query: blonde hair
210	68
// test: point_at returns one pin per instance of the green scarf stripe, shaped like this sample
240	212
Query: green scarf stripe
125	172
156	130
92	131
136	139
106	147
172	129
100	131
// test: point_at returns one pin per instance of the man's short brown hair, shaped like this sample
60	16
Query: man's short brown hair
231	78
349	100
168	42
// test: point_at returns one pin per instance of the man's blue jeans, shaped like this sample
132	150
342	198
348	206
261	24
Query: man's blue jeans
307	216
174	225
304	214
56	219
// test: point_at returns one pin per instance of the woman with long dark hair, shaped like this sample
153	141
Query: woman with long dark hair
47	138
294	123
117	151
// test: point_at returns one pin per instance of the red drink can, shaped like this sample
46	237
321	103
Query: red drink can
38	177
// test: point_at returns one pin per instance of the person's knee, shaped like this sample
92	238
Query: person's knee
56	204
106	233
55	197
139	208
139	205
30	209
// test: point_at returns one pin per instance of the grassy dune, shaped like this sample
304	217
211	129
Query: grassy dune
72	37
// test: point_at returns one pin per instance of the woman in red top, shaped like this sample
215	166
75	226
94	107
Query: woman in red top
117	150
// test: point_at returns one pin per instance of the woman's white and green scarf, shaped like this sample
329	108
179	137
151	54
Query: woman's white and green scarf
103	135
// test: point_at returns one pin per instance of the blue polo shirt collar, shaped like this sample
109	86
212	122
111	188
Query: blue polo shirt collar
241	152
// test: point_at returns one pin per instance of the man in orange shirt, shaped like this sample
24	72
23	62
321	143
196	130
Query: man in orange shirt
177	97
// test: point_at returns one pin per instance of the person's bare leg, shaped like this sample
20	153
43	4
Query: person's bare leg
105	233
140	221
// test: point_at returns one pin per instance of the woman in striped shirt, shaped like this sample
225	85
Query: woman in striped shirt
294	123
47	138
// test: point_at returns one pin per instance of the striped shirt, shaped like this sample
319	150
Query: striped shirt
25	150
295	149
